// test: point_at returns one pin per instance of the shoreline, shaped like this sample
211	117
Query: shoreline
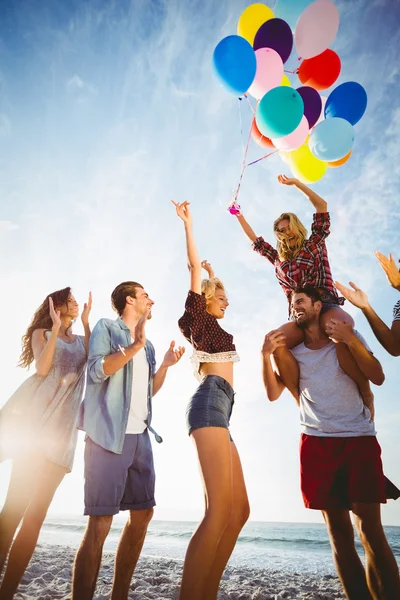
48	577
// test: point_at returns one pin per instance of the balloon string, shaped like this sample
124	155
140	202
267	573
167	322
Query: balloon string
241	125
262	158
235	197
292	72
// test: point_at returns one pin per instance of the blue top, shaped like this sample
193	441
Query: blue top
105	409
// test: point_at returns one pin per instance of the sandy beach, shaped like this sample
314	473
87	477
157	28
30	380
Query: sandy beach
48	577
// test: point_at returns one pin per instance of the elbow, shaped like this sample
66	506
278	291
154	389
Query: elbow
379	378
42	372
324	207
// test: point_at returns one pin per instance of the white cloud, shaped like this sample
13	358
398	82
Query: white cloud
8	226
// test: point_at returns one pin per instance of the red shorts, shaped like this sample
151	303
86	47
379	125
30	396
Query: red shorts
335	472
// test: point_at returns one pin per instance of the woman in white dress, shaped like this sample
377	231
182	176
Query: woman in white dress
38	427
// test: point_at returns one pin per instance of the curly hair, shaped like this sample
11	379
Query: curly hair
210	286
41	320
285	252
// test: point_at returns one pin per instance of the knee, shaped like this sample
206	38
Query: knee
99	526
341	536
240	515
140	519
221	514
370	534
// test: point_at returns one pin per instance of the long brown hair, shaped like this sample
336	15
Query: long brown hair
41	320
285	252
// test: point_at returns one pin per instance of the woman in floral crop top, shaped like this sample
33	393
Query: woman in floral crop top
300	262
208	414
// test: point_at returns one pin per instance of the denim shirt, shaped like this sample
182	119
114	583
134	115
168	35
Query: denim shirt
104	411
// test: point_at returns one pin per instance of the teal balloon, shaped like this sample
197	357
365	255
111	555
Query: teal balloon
331	139
279	112
290	10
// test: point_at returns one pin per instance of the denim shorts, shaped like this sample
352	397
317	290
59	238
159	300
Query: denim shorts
115	482
211	404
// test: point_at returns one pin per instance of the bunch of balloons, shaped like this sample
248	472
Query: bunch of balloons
311	132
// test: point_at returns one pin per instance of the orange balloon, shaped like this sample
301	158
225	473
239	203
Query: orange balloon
341	161
259	138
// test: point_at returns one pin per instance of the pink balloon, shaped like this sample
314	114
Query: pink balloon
269	72
295	139
316	28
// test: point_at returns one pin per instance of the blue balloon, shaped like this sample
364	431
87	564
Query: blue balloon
290	10
347	101
331	139
235	64
279	112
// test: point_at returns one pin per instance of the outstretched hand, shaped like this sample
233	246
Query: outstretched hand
87	307
207	267
390	268
182	210
54	314
173	355
285	180
355	296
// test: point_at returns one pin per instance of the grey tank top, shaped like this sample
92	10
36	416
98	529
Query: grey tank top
42	413
330	402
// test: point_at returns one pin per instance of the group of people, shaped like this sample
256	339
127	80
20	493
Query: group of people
317	355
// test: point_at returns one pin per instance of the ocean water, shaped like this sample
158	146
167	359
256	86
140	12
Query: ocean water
291	547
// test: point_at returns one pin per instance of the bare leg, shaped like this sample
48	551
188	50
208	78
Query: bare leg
381	566
348	564
17	500
88	558
214	451
50	477
128	552
346	359
240	514
286	364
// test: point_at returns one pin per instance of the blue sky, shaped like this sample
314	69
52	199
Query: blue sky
108	109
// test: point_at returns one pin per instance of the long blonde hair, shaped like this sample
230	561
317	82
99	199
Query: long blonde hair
210	286
285	252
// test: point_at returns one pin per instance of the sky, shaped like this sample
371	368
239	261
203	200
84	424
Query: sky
108	110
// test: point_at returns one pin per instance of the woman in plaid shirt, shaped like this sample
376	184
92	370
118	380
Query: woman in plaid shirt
299	262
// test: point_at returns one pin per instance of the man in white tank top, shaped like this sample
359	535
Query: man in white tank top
341	468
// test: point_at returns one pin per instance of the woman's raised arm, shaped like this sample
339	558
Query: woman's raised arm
193	260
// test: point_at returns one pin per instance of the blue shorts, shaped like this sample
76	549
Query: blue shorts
115	482
211	404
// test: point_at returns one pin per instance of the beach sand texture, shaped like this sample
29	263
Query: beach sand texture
48	577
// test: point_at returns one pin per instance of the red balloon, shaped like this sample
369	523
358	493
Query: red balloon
321	71
259	138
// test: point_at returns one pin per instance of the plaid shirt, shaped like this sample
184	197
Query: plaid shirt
311	265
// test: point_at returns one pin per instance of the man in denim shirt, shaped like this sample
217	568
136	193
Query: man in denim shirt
116	416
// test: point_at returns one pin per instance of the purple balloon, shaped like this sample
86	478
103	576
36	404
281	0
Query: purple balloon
312	104
275	34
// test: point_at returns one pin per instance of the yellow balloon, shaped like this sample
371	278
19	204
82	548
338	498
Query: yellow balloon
285	80
305	166
251	20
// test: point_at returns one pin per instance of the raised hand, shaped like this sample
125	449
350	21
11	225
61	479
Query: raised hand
284	180
207	267
355	296
140	330
87	307
54	314
390	268
339	331
172	356
183	212
273	340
